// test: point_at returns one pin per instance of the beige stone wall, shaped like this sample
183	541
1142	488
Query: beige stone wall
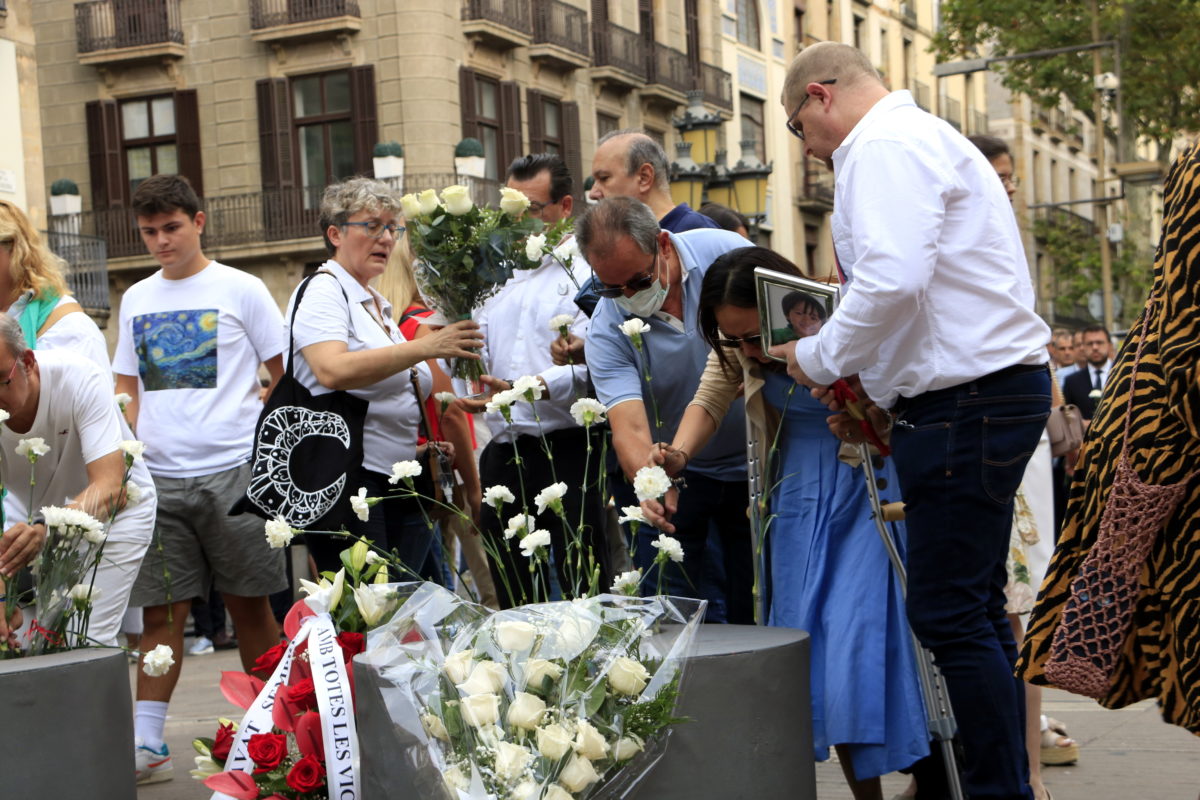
21	154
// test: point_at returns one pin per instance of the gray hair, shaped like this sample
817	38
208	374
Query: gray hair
644	150
12	336
343	200
600	225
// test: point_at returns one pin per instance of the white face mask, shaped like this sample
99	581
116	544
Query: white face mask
644	303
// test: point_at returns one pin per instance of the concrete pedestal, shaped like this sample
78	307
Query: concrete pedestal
746	692
67	729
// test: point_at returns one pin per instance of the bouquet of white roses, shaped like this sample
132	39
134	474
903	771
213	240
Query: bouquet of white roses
550	701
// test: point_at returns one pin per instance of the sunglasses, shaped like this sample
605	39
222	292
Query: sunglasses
799	132
636	284
753	341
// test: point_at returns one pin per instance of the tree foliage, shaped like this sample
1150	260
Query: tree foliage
1160	53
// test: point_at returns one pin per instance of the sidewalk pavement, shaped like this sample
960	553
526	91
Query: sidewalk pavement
1124	755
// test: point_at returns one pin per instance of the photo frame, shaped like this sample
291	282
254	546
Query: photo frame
791	307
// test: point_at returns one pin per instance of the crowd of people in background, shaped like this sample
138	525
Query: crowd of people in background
936	327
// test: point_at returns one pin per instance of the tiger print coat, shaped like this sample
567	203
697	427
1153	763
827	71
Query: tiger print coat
1161	656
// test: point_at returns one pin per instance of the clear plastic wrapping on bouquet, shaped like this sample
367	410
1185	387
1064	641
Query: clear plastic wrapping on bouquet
552	701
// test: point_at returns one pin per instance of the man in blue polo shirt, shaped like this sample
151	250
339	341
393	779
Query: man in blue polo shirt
655	276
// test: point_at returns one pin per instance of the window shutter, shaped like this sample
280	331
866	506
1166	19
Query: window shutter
363	118
599	12
533	109
466	103
275	134
573	149
510	124
104	154
187	138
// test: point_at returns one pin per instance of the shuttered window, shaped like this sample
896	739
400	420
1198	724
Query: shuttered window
491	113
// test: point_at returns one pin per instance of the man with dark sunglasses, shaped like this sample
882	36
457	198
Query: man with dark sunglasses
653	277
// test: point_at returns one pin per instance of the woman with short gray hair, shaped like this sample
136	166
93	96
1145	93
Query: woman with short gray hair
345	339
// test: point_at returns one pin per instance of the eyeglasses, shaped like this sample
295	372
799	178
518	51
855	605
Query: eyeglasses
753	341
374	228
637	284
1010	180
799	132
11	373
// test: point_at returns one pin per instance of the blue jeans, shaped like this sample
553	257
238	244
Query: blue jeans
960	455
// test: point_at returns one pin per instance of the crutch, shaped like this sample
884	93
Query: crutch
939	714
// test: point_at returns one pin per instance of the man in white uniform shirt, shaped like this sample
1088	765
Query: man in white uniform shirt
191	339
515	324
937	320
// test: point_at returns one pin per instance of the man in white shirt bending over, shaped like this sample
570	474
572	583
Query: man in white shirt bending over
191	339
937	320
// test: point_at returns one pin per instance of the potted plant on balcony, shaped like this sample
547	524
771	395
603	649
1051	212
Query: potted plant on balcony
389	163
65	198
468	158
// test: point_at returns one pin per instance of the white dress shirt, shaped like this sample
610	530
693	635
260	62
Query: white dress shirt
1103	369
515	323
937	287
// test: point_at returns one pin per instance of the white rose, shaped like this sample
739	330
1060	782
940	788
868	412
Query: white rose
457	200
158	662
627	747
551	497
534	246
627	676
410	206
496	495
588	411
456	779
526	711
458	666
578	774
435	727
651	483
526	790
427	202
528	387
556	792
589	742
632	514
279	533
560	321
534	541
32	448
537	669
633	327
512	201
481	709
514	635
133	448
553	741
521	524
627	582
511	759
670	546
403	470
486	677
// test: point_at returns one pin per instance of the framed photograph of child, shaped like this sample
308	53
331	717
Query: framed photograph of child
790	308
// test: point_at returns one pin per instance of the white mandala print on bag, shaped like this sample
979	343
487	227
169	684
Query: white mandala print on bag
271	483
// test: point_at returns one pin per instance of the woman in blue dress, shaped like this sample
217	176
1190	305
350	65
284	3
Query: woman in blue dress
828	571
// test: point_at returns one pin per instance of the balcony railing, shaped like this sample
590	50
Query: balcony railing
614	46
558	23
273	13
951	111
115	24
717	85
255	218
920	93
87	267
908	10
509	13
979	121
818	183
668	67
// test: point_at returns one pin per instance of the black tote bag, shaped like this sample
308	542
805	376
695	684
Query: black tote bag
306	448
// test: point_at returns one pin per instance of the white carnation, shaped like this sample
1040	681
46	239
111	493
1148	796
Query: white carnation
534	541
82	593
633	327
445	399
133	494
632	514
32	448
550	497
534	246
133	448
123	399
74	520
496	495
528	387
158	662
404	471
520	524
588	411
361	504
669	546
651	483
279	533
560	321
627	582
502	400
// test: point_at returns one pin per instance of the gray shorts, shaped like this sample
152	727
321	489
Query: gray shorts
197	546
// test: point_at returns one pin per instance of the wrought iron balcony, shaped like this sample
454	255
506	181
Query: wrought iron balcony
979	121
667	75
818	186
560	35
108	31
503	24
618	55
87	266
717	85
276	20
951	111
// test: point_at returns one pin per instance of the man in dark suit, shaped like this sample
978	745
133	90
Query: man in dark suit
1084	387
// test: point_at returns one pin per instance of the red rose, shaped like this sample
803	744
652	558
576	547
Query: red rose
269	660
306	775
302	695
352	643
267	750
222	743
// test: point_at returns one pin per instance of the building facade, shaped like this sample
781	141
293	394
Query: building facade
21	174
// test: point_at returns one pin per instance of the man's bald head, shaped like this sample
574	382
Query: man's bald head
826	61
628	163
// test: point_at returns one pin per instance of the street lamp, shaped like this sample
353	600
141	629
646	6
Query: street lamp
720	185
699	127
687	177
749	178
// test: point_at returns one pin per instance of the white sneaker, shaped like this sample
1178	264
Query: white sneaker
152	766
201	647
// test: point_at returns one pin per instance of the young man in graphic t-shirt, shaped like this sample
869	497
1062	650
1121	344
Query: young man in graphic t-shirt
192	337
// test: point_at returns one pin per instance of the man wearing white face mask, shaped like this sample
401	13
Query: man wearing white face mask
652	276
